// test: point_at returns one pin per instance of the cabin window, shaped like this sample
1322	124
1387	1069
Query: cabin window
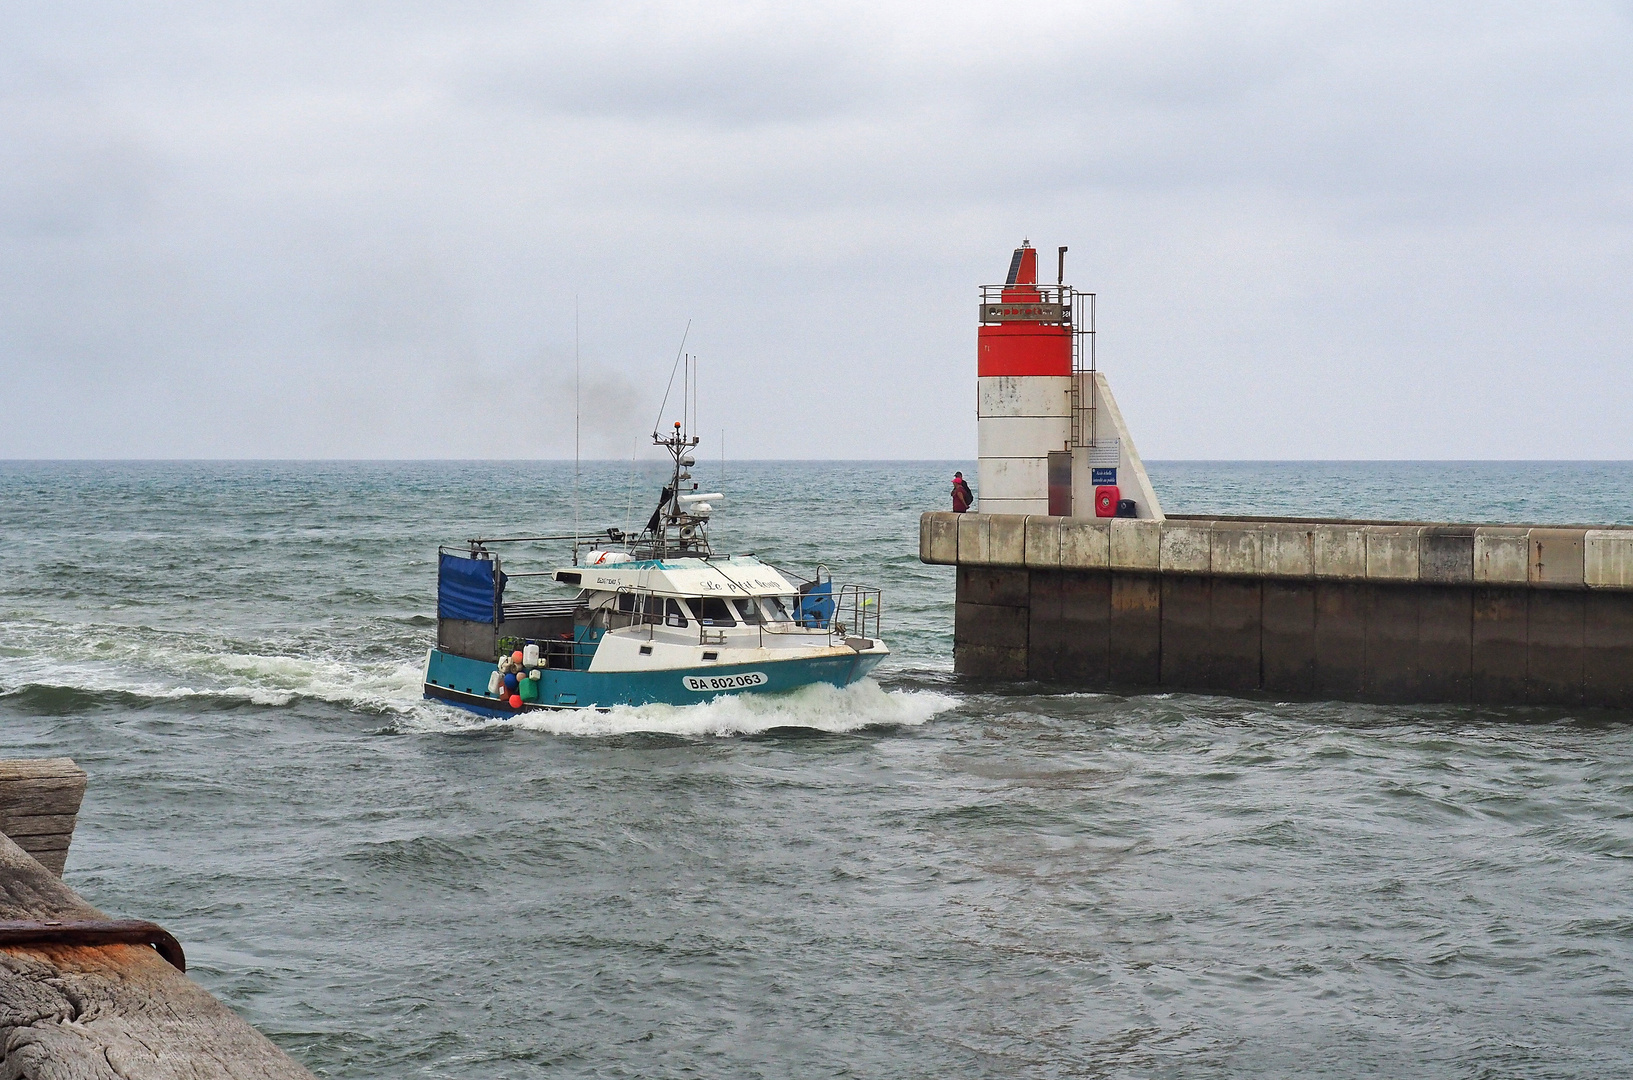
774	610
748	611
714	611
630	603
674	613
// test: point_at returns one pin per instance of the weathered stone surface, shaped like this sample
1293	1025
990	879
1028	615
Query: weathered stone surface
1237	547
1185	547
1234	627
1556	558
1392	552
938	538
1186	637
989	661
990	585
1006	540
1499	641
1338	551
1554	668
1069	634
1446	641
1340	638
990	624
1500	556
1391	649
1043	542
1135	544
1287	550
1085	544
1446	556
972	539
1608	558
1136	628
1287	637
1607	650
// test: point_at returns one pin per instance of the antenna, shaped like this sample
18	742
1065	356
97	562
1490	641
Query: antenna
658	423
575	429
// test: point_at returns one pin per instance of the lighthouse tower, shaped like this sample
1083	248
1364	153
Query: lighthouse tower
1051	438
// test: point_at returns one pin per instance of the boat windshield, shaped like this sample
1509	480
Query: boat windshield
748	611
714	611
774	609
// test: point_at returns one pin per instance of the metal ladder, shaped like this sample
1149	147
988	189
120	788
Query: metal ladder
1083	364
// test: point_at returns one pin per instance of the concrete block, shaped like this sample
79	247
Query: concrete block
1287	637
1499	616
1006	539
989	624
1446	641
1085	544
1500	557
1607	650
1012	478
1391	650
1607	556
1338	551
1340	636
1287	550
1021	436
1135	652
1185	547
1017	507
1029	395
1447	555
1069	631
988	661
938	538
1085	608
985	585
1234	612
1186	635
1043	542
1237	547
1554	630
972	539
1135	544
1392	552
1556	558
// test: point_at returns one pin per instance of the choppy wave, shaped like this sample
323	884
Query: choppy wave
55	669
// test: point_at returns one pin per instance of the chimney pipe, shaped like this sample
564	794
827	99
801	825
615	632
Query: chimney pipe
1060	277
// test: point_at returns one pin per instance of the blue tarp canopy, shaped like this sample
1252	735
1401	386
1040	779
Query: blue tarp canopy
816	605
465	589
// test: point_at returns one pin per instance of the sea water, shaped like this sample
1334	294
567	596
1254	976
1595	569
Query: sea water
913	877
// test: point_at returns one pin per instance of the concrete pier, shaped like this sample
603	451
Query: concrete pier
1356	610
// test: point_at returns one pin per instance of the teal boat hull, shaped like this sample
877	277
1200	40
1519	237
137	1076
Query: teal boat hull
461	681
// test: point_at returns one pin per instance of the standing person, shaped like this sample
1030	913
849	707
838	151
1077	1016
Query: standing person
963	497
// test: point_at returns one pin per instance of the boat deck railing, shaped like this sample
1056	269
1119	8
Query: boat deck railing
855	613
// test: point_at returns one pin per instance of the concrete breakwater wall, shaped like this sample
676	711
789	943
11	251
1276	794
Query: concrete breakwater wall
1388	611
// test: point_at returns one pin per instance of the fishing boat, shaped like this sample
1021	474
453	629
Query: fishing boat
654	617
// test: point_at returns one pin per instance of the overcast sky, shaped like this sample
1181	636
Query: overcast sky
1317	230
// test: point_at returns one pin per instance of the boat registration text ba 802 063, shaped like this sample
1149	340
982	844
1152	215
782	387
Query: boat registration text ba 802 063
704	683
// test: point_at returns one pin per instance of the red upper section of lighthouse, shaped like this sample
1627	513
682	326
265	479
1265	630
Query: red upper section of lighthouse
1021	345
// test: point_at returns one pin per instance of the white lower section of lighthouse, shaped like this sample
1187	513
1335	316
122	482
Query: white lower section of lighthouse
1022	419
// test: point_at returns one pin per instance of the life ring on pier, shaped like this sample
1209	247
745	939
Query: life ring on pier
1105	501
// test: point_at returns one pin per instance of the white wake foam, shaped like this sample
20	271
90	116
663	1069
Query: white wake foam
821	708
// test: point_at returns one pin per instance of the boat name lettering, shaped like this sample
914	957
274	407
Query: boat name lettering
704	683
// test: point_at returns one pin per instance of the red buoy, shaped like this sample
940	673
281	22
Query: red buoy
515	701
